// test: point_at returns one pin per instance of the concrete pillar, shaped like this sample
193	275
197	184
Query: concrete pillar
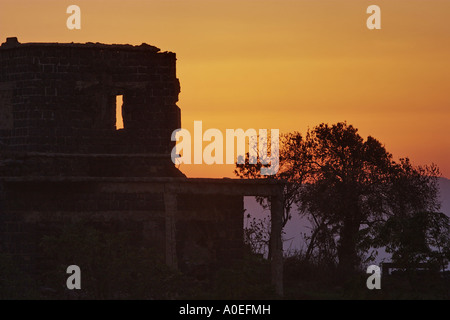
170	203
276	243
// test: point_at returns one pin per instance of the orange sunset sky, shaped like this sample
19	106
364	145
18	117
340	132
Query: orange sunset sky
282	64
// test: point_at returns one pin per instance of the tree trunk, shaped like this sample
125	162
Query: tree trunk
347	253
312	242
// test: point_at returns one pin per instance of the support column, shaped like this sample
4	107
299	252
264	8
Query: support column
277	210
170	204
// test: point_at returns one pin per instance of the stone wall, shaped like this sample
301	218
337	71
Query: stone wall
89	165
62	98
209	229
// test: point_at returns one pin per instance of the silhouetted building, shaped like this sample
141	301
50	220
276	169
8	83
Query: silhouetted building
62	158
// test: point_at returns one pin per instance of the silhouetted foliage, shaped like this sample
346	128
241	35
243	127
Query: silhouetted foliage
344	177
418	238
290	144
412	229
257	235
351	189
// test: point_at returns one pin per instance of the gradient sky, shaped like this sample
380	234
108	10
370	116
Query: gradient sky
284	64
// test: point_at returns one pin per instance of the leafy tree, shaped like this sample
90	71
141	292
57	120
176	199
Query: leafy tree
349	187
345	175
418	238
413	230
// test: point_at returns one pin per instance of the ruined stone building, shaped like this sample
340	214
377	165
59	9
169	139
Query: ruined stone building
62	158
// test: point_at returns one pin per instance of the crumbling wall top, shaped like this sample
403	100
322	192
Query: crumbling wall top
13	43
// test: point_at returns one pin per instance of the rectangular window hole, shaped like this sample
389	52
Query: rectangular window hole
119	117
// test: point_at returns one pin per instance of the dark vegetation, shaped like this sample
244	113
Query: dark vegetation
358	200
